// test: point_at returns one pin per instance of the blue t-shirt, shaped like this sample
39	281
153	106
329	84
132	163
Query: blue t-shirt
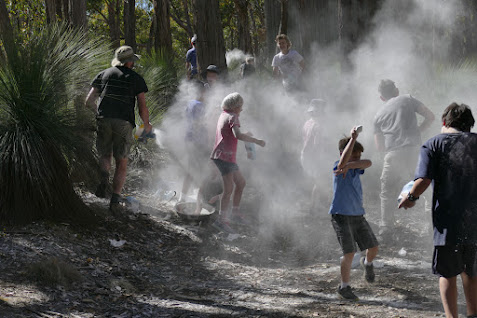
450	160
347	193
196	131
191	58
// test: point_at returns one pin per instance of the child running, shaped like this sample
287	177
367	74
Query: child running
224	156
347	213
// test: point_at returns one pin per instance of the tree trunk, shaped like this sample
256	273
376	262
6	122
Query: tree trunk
64	6
50	6
130	23
6	31
78	13
255	41
284	17
210	35
163	32
152	31
113	22
272	10
244	38
187	18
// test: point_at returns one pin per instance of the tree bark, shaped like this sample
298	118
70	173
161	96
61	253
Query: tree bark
244	38
50	6
284	17
78	13
210	37
130	23
6	30
272	9
113	22
163	38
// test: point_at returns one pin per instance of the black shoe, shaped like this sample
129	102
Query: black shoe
101	190
346	293
368	270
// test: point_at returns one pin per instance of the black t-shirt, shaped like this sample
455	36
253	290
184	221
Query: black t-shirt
450	160
118	87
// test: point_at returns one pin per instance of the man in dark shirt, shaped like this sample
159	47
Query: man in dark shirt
397	133
449	161
117	88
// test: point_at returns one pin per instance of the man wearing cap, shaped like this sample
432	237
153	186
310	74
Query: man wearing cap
397	133
117	88
211	75
191	60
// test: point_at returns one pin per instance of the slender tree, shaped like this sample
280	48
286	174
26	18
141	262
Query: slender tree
210	43
6	30
130	23
163	39
78	13
243	26
114	9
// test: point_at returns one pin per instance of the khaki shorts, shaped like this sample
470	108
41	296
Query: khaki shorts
114	137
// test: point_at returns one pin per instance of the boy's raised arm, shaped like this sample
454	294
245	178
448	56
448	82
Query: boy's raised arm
346	154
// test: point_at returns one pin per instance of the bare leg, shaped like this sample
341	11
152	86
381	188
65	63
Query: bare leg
346	262
105	163
371	254
228	182
185	186
239	186
120	175
470	291
448	289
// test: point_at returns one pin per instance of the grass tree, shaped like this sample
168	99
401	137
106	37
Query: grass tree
42	136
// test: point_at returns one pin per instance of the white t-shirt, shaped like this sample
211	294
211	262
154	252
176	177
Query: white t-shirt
289	66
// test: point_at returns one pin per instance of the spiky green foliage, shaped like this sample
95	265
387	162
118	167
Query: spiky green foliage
161	80
41	133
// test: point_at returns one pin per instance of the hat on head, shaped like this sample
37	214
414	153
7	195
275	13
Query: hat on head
316	104
193	39
213	68
123	55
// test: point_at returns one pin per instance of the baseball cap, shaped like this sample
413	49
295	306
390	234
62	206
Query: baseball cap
213	68
123	55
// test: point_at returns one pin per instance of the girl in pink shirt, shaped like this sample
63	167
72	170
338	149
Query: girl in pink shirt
224	156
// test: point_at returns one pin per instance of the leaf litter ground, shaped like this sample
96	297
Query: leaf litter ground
155	264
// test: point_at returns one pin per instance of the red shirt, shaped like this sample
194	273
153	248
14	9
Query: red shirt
225	147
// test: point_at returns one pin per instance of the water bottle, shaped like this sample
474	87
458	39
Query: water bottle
132	204
250	147
405	190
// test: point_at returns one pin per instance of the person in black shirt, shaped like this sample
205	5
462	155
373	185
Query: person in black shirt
448	162
117	88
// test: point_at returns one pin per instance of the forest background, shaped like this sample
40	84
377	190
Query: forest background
52	49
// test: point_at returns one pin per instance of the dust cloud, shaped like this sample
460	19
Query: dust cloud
406	44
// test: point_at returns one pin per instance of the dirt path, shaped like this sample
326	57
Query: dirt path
164	267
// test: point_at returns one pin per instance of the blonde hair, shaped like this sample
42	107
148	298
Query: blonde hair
232	101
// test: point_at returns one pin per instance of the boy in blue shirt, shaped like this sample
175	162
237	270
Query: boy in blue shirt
347	213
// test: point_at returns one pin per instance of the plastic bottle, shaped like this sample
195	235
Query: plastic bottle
250	147
405	190
132	204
